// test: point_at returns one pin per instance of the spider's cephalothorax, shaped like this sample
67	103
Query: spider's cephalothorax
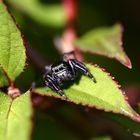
65	70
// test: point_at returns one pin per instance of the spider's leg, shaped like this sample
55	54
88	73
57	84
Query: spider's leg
51	83
80	66
72	67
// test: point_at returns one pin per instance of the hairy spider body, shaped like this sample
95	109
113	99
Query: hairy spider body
62	72
66	70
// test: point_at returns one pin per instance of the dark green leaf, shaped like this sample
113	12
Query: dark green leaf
45	126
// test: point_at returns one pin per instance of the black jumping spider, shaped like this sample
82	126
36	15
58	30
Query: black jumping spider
65	70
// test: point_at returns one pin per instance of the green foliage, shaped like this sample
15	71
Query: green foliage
15	114
15	117
3	79
46	14
105	41
105	94
12	51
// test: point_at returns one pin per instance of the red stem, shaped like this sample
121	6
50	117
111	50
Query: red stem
69	35
70	11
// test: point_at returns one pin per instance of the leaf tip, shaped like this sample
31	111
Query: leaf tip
128	63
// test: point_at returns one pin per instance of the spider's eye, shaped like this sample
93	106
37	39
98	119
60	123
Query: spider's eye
56	70
61	68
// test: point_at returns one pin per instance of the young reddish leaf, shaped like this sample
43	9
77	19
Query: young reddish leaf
105	41
105	94
12	50
15	117
51	15
3	79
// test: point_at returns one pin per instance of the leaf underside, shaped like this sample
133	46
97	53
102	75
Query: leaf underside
12	50
15	117
46	14
105	41
105	94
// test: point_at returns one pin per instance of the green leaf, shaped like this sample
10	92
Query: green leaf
105	41
15	117
12	50
46	14
102	138
3	79
105	94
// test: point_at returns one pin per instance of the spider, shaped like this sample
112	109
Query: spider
66	70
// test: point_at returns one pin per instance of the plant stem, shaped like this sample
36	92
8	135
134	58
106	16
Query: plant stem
65	43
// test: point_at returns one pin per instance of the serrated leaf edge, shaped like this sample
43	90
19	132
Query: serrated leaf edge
127	61
135	116
22	36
